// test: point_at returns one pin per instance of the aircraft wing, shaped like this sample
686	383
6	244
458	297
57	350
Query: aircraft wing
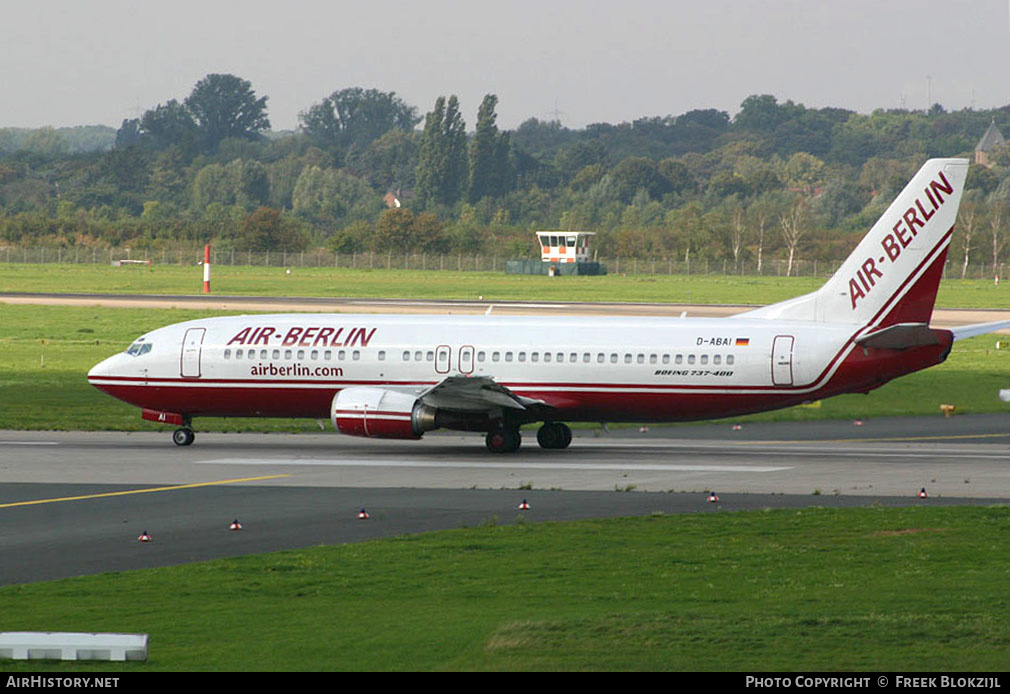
976	329
474	394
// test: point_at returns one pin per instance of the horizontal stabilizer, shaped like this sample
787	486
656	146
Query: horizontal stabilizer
976	329
900	336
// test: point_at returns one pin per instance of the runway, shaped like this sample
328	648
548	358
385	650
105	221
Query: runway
74	503
942	318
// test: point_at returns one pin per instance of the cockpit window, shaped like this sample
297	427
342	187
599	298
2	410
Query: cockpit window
139	348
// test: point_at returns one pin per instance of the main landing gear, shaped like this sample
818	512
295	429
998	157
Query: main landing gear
507	439
183	436
554	435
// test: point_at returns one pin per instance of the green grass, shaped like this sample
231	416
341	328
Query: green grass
46	352
341	282
814	590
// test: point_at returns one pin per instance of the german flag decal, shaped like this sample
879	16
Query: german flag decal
742	341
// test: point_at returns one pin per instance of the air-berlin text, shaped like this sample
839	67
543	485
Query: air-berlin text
313	336
894	242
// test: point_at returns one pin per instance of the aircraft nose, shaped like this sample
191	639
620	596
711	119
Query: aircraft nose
102	368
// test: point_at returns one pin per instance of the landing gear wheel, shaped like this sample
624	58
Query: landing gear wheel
554	435
503	440
183	436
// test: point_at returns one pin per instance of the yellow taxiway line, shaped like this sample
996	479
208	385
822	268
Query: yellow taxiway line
141	491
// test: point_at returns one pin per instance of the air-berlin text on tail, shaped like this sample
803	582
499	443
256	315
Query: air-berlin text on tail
313	336
900	236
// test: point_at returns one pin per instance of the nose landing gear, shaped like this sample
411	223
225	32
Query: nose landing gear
183	436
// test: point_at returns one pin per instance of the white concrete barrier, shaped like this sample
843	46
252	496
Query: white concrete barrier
54	645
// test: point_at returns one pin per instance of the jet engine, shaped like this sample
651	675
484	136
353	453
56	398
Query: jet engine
381	413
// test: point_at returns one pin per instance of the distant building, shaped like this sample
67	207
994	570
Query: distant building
993	138
397	198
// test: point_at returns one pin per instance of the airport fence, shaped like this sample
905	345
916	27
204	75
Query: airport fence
457	262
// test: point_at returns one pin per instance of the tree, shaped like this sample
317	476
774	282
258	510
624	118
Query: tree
999	209
636	173
794	225
164	126
490	167
389	163
356	117
226	106
968	218
266	229
442	161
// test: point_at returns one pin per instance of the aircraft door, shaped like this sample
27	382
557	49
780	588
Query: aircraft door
443	359
465	361
782	360
192	346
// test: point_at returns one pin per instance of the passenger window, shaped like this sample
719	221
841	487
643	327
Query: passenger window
314	354
717	359
238	354
355	355
690	358
341	355
417	356
522	356
301	354
328	355
508	356
666	358
613	357
729	359
429	356
406	355
585	357
600	357
573	357
277	354
287	354
641	359
382	355
227	354
627	358
480	356
652	358
495	356
704	358
679	359
547	356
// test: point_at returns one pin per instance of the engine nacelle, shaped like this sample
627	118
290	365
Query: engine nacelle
380	413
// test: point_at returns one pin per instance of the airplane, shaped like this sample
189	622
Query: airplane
397	376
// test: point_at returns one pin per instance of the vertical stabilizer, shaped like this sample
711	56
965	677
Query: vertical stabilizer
893	274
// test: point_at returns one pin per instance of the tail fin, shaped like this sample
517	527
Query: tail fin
893	274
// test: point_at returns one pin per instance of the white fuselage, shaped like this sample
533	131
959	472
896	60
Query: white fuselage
609	369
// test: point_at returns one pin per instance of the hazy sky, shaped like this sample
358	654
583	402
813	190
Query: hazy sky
80	62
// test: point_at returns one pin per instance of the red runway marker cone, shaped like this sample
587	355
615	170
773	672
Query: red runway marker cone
524	506
923	494
235	525
712	497
737	427
363	515
144	537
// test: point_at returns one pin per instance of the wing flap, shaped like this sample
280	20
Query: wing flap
474	394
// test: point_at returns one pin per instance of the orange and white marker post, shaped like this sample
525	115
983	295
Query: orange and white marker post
206	269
